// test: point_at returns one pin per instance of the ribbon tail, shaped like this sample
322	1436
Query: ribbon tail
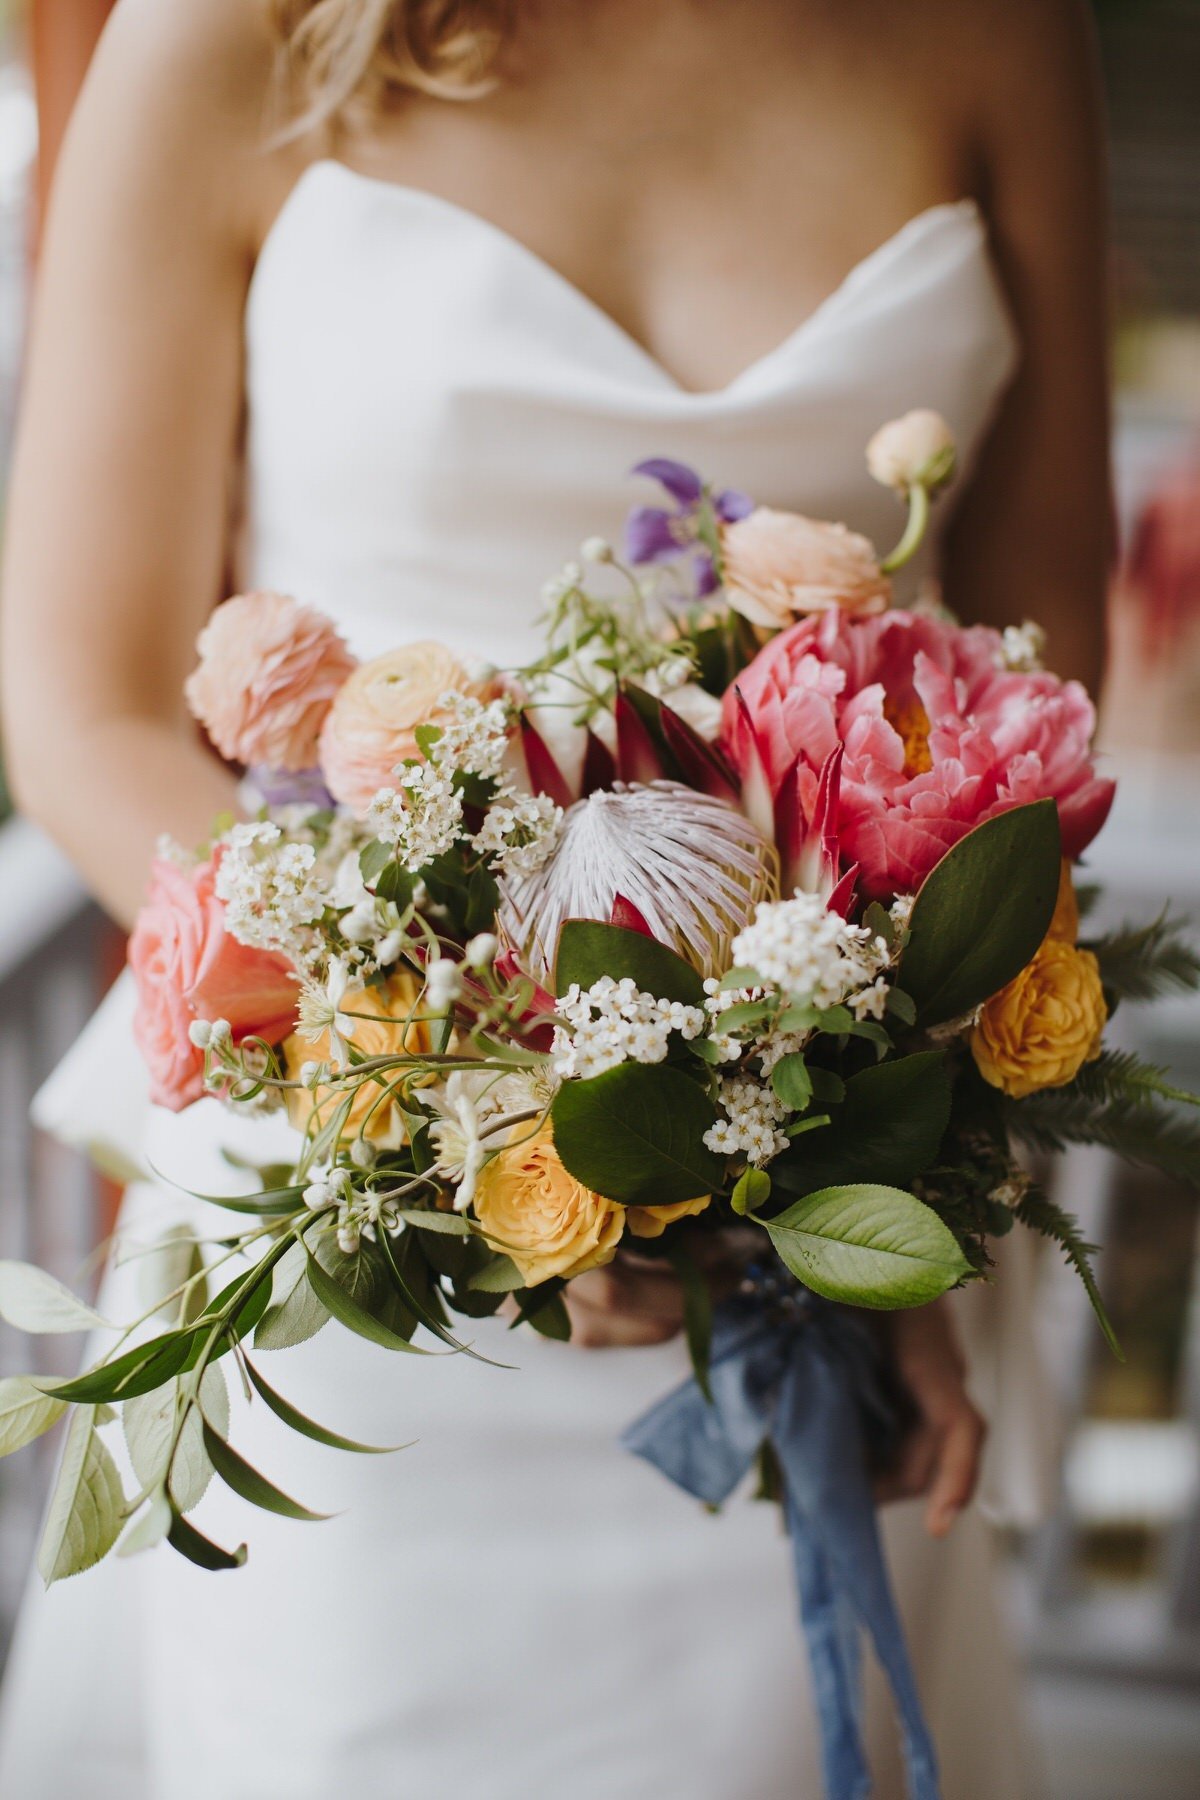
832	1636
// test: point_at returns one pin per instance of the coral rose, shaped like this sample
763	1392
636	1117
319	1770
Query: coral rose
938	736
373	1114
779	565
371	727
917	449
269	669
186	966
537	1213
1040	1030
652	1221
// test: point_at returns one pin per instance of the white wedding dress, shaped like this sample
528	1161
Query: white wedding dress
513	1607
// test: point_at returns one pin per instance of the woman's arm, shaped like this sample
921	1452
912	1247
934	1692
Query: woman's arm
117	524
1033	537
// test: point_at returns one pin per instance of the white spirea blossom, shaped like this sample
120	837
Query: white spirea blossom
443	984
481	950
272	890
750	1128
1022	648
421	817
519	833
719	1000
614	1022
474	736
808	952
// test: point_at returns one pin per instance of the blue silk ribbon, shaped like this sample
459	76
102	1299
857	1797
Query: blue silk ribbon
790	1371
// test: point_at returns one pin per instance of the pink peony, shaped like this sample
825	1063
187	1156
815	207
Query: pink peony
186	966
778	565
371	728
938	737
269	669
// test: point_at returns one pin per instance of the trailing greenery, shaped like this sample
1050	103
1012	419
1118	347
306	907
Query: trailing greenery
1142	962
1041	1214
1140	1130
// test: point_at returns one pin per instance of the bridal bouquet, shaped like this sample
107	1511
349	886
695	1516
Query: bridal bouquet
750	903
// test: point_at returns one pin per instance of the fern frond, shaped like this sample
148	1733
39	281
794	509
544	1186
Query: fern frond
1137	1130
1119	1075
1141	962
1041	1214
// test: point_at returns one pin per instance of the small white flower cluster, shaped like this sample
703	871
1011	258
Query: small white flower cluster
358	1214
519	833
474	735
750	1128
718	1000
810	953
613	1022
272	889
1022	648
421	817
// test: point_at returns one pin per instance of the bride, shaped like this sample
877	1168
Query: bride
374	302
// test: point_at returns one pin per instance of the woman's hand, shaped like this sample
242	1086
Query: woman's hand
940	1457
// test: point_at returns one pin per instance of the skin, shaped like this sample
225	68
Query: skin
707	173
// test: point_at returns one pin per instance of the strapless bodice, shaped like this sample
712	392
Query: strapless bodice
437	417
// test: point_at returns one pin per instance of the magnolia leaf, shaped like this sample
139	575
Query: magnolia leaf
148	1422
587	950
294	1314
31	1300
889	1128
636	1134
246	1481
25	1413
153	1525
982	912
86	1508
291	1415
866	1245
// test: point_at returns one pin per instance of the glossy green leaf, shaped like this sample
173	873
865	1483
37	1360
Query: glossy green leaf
298	1421
354	1316
751	1190
889	1128
200	1550
246	1481
85	1515
137	1371
587	950
982	912
636	1133
868	1245
792	1082
499	1276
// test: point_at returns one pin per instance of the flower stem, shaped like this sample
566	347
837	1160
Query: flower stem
914	530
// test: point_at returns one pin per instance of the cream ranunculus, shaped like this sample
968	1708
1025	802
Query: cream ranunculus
1040	1030
371	727
652	1221
534	1211
779	566
917	450
373	1113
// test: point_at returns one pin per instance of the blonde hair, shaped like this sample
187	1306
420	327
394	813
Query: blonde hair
339	53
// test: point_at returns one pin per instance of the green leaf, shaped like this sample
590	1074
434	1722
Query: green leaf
1140	962
751	1190
889	1129
200	1550
792	1082
174	1259
499	1276
294	1314
335	1299
373	858
697	1312
902	1006
419	1304
587	950
449	1224
153	1525
246	1481
148	1422
31	1300
743	1015
868	1245
635	1134
137	1371
1042	1215
394	883
25	1413
551	1320
298	1421
86	1508
828	1088
982	912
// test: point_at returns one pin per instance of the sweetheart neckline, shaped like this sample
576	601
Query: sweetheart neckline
966	211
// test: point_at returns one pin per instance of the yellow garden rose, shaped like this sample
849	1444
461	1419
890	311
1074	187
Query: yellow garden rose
1040	1030
372	1114
1065	923
652	1221
537	1213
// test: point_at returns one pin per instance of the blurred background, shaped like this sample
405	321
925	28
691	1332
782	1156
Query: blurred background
1105	1592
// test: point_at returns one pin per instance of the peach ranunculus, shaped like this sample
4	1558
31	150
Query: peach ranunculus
373	1113
780	565
652	1221
268	671
915	451
185	967
1040	1030
372	724
531	1208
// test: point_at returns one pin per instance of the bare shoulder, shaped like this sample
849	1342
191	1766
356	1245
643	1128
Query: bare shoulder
1033	68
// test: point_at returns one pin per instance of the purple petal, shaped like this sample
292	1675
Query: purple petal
289	787
683	484
729	505
705	574
651	535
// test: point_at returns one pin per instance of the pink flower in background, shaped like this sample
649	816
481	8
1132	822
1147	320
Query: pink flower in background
269	669
938	737
186	966
779	565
